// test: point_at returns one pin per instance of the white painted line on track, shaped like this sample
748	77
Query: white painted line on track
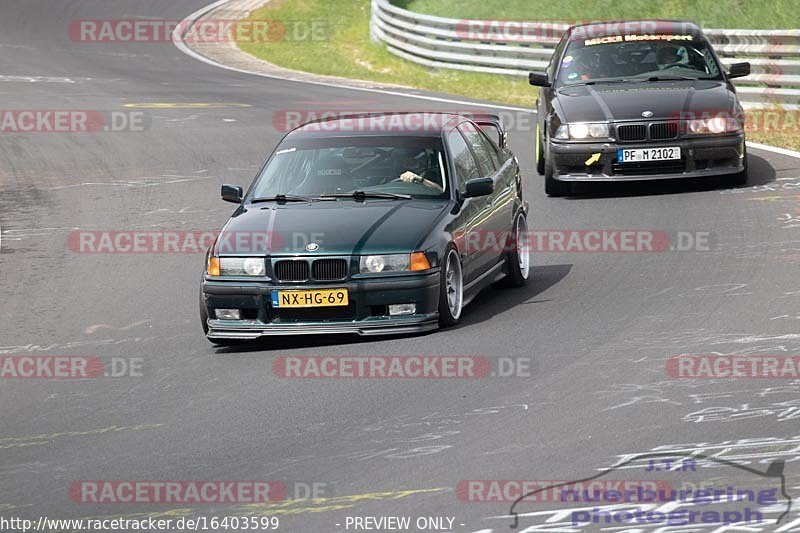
774	149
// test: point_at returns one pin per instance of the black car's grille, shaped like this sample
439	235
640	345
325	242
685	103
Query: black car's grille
663	130
329	269
291	270
632	132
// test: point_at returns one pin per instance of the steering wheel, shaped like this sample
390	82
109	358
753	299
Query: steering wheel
423	181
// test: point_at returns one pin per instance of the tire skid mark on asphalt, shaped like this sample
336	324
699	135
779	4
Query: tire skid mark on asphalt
136	183
39	79
46	438
91	330
185	105
31	348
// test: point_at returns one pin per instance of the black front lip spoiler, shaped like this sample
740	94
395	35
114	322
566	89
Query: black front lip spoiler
239	330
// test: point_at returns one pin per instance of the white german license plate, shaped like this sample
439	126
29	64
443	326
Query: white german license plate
643	155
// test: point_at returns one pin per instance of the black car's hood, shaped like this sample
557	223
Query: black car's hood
340	227
627	101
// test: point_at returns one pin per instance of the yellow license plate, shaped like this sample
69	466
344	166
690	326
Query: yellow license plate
310	298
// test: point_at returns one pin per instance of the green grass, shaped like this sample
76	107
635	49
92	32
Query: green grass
347	50
708	13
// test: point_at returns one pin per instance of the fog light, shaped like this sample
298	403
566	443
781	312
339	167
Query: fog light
402	309
227	314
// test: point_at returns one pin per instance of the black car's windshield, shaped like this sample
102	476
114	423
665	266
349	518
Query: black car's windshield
340	166
632	57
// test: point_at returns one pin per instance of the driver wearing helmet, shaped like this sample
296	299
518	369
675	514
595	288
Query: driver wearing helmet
668	56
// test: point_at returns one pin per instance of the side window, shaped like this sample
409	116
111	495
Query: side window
493	149
466	168
493	134
483	150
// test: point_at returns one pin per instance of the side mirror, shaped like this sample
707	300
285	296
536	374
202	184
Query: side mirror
478	187
232	193
538	79
739	70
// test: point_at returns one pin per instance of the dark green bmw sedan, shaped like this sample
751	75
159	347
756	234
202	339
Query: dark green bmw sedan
369	224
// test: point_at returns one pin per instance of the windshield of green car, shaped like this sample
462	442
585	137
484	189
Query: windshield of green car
637	57
313	168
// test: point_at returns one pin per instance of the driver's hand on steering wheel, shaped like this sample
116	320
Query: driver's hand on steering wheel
410	177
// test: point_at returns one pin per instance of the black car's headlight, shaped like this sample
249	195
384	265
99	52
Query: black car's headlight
581	131
373	264
715	125
236	266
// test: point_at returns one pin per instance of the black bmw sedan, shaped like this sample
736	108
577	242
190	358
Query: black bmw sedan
373	224
638	100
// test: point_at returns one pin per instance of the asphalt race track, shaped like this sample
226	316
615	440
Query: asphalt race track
597	327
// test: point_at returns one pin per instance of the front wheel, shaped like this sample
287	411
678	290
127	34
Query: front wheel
451	288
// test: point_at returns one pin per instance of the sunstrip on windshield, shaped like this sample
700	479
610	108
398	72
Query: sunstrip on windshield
632	38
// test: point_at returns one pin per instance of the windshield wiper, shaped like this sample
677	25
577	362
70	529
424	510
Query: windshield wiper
282	198
359	195
598	80
670	78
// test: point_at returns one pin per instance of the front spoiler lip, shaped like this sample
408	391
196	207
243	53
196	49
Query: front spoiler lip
645	177
249	330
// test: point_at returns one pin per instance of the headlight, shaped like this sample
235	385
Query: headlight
582	131
238	266
716	125
373	264
698	126
579	131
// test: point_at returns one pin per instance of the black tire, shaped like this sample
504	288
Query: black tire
204	324
552	186
446	316
517	274
539	151
738	179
